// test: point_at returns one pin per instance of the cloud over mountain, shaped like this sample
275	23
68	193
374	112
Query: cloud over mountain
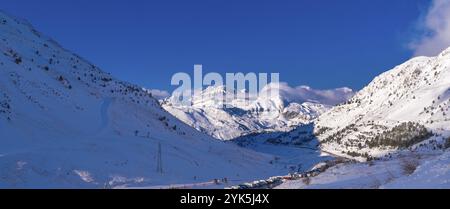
436	28
302	94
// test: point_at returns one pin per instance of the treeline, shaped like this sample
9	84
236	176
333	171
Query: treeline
401	136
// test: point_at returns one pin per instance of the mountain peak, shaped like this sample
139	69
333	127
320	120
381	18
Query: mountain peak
245	114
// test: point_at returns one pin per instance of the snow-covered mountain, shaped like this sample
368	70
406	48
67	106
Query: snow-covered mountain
240	116
65	123
404	108
400	108
400	122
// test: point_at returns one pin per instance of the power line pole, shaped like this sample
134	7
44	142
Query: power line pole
159	166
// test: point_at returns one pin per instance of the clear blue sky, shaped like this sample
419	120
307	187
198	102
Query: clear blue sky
324	44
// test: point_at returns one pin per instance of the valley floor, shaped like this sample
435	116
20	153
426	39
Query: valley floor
404	170
288	159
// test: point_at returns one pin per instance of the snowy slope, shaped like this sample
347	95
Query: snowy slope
281	112
431	174
65	123
409	170
399	108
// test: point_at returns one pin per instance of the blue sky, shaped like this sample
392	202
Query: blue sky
323	44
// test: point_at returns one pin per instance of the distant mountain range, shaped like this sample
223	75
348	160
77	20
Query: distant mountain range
239	117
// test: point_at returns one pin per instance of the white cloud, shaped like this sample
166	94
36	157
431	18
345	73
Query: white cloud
436	24
158	94
302	94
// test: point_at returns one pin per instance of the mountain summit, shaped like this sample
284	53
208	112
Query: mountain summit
261	113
